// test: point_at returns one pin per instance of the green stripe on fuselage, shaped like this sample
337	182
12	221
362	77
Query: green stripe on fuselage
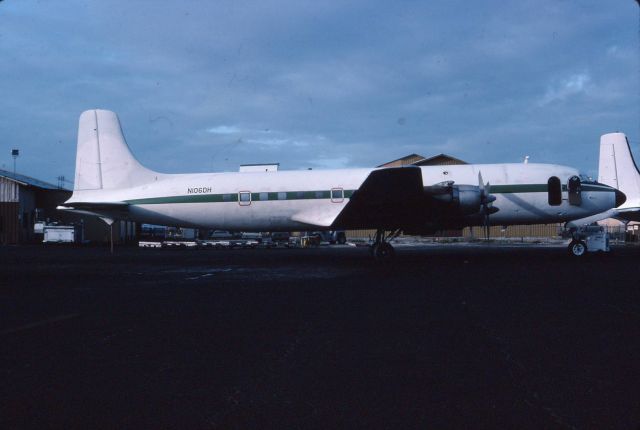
199	198
518	188
233	197
319	195
541	188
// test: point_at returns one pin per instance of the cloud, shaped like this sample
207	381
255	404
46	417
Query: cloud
331	163
571	86
328	80
270	142
224	129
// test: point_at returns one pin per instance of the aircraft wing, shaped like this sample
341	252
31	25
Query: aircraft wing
389	198
611	213
625	214
628	214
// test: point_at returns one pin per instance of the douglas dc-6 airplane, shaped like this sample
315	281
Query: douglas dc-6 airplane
111	184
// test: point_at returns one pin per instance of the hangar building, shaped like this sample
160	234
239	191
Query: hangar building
24	199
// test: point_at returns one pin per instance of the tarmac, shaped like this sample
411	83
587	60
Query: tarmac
445	336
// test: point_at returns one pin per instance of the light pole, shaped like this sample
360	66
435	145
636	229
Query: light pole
15	153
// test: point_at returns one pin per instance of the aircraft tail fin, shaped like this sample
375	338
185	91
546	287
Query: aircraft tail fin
103	158
617	167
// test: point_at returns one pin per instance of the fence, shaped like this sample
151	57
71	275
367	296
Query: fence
537	232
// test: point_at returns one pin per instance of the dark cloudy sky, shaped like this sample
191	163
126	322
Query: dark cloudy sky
209	85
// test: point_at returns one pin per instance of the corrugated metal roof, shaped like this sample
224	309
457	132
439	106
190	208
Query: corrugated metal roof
28	180
419	160
407	159
439	160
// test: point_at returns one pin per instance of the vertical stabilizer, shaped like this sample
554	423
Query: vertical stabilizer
103	158
617	167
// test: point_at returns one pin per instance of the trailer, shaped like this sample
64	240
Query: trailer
231	243
179	244
587	238
149	244
59	234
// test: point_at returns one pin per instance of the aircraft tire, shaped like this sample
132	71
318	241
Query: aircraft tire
383	252
577	248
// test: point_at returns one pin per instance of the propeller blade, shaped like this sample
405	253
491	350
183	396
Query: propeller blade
485	220
490	198
486	199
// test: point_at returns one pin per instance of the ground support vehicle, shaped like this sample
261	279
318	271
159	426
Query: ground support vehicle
588	238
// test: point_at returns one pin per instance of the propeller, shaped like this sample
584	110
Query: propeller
486	204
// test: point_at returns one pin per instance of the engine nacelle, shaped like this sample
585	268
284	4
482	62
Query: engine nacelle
469	199
465	199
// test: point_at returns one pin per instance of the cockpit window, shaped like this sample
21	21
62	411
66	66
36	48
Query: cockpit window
554	188
586	179
574	188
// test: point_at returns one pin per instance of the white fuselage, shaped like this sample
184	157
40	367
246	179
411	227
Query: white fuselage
301	200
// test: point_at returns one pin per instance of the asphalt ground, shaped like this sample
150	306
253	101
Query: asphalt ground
446	336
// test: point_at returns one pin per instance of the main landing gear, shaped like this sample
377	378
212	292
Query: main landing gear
381	249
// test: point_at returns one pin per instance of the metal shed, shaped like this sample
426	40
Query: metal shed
20	195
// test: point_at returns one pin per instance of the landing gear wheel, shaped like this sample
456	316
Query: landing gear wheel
577	248
383	251
342	238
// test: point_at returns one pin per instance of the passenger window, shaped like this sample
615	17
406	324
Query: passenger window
282	196
226	197
555	191
337	195
264	196
244	198
575	191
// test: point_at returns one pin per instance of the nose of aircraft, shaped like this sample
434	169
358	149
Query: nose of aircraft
620	198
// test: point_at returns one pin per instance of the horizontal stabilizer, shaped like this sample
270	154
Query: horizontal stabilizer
108	212
94	206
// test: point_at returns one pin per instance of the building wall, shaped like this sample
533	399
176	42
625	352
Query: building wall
48	200
9	190
96	231
26	214
17	211
9	224
18	204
